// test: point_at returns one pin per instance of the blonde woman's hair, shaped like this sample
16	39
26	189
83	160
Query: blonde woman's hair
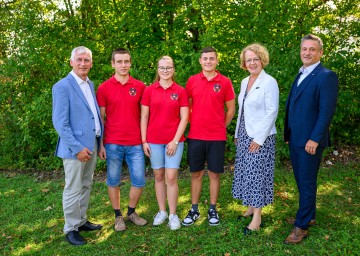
259	50
165	57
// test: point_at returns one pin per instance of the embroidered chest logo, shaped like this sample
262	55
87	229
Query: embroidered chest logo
174	96
132	91
217	88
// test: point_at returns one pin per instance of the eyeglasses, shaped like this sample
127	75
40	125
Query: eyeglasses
252	60
162	69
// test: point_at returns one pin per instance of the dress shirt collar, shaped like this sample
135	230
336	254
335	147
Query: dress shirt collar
78	79
308	69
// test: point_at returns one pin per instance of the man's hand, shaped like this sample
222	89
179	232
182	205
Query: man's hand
311	147
84	155
102	153
146	148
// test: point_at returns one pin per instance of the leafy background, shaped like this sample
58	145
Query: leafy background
38	36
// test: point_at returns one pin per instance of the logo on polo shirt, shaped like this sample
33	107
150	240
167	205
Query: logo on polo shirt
132	91
174	96
217	87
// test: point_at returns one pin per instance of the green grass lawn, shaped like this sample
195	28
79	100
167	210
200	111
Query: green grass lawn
31	219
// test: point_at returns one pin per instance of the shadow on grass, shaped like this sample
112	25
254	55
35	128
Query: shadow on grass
32	219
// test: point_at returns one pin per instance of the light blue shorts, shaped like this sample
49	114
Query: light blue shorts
159	159
135	160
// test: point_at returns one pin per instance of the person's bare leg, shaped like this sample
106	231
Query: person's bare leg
160	188
134	196
172	189
249	211
114	195
214	186
196	184
256	220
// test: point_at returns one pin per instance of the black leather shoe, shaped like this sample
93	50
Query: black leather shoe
88	226
248	231
74	238
243	217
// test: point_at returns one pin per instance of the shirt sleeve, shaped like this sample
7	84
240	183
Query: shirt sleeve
188	88
229	91
145	99
100	96
184	99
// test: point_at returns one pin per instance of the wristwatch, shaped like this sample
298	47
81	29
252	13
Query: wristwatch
176	142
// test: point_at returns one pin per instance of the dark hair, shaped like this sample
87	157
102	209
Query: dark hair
119	51
208	49
314	38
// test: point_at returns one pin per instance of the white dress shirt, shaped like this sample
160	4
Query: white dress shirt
85	88
306	71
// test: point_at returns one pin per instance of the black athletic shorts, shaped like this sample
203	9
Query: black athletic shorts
210	151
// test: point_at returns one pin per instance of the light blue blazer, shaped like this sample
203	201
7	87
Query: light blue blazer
73	119
260	107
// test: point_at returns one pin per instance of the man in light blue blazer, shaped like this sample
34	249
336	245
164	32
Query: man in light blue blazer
310	108
76	118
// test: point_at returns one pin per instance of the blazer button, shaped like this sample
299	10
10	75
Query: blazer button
94	130
92	117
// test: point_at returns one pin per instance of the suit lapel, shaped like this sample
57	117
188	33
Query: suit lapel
307	80
258	81
78	90
92	88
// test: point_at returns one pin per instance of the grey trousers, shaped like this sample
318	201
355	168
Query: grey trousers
76	194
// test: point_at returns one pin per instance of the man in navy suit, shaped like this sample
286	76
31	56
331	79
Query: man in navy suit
76	118
310	108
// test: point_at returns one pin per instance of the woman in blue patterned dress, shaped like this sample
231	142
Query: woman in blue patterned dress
255	135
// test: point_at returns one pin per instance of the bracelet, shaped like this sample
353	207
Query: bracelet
143	141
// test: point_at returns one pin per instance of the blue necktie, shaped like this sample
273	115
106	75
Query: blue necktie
297	78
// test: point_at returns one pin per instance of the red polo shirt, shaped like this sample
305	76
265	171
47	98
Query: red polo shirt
164	115
122	110
207	118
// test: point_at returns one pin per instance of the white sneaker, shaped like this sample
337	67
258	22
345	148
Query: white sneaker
159	218
174	222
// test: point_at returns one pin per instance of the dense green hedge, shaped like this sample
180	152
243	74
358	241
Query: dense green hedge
37	37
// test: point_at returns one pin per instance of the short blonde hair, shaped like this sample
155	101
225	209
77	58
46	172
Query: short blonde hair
168	58
259	50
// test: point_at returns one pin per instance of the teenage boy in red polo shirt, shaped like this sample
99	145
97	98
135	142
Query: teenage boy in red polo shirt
208	92
119	100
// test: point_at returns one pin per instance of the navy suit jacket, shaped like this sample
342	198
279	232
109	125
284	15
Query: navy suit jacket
72	118
311	107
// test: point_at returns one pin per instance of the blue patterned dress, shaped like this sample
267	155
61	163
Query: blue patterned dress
254	172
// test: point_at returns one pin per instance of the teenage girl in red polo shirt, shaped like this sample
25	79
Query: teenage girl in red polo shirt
164	116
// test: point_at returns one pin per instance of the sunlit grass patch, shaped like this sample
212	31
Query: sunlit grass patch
32	222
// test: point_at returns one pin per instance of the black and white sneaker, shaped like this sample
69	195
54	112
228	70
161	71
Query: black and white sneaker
190	218
213	217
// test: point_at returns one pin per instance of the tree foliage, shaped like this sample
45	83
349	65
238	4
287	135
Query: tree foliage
37	37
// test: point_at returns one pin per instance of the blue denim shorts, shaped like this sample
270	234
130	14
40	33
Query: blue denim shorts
159	159
135	160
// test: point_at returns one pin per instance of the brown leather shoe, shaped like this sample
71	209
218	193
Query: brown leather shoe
296	236
134	217
120	224
291	221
